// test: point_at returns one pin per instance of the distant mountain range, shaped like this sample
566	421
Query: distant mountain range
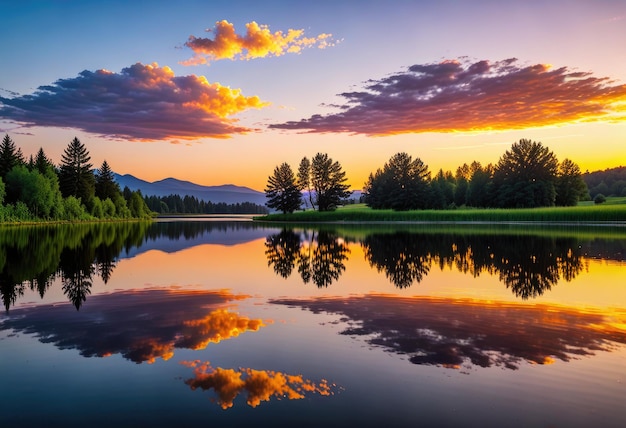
227	193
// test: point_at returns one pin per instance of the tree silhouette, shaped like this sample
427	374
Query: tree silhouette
282	191
402	257
328	180
282	250
322	259
525	176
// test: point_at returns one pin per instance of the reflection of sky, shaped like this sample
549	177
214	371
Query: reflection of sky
258	385
458	332
141	326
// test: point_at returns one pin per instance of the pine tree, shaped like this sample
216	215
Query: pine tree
10	156
282	191
328	180
75	175
106	187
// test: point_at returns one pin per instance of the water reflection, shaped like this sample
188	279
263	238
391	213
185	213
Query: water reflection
140	325
32	258
320	256
455	333
527	265
258	385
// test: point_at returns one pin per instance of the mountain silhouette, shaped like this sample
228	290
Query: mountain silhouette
227	193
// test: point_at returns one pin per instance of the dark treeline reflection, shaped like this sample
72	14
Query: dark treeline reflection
319	256
528	265
33	257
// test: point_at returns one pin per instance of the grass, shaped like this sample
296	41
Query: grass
613	211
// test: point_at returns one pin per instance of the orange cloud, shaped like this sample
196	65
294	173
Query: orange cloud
259	385
460	96
258	42
162	320
142	102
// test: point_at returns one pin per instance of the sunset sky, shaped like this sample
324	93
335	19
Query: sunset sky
220	92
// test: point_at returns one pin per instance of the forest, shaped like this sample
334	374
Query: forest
36	189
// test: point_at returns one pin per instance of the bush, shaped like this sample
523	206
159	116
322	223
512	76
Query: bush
599	199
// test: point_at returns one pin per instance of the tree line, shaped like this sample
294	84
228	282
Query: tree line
528	175
176	204
610	182
37	189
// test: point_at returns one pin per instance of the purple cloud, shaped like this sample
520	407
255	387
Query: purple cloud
142	102
462	96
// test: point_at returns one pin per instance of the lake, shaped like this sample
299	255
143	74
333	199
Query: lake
224	322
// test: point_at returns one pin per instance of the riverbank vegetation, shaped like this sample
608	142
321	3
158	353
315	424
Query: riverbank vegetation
37	190
612	211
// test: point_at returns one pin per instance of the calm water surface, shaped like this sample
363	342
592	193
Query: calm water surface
233	323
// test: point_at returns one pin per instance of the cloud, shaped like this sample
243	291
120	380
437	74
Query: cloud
162	320
142	102
258	42
458	95
457	333
259	385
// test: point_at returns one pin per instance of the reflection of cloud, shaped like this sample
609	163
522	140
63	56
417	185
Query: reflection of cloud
143	102
259	385
258	42
451	332
461	96
142	326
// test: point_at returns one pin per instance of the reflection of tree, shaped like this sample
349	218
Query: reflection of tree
404	257
259	385
77	273
320	257
281	251
528	265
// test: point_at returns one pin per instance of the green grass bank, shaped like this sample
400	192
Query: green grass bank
611	212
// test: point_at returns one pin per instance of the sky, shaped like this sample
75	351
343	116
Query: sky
222	92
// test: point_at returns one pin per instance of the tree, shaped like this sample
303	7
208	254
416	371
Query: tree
33	189
402	184
106	186
304	179
41	162
570	186
525	176
10	156
479	186
75	175
328	179
282	191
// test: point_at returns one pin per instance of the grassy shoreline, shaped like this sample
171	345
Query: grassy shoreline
610	214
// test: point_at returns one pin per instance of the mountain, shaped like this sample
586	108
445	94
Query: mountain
227	193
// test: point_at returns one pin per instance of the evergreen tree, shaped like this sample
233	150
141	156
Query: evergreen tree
75	175
282	191
10	156
106	186
304	179
328	180
42	162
